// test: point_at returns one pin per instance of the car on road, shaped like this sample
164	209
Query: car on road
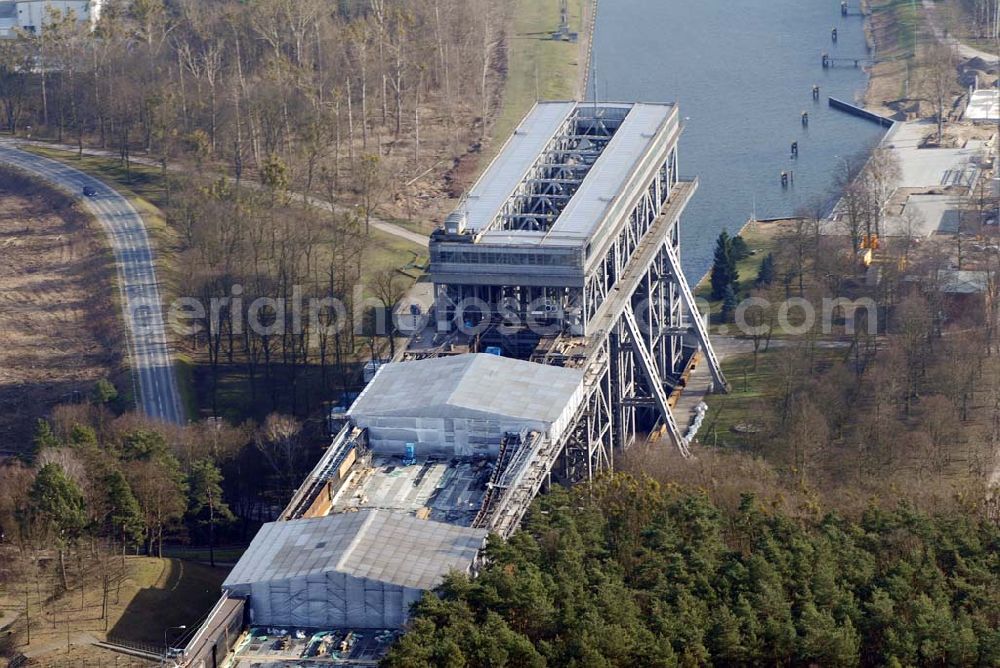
89	191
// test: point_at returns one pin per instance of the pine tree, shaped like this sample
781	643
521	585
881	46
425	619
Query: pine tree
723	266
42	438
729	302
57	504
124	514
143	445
740	250
733	271
765	274
823	641
206	504
725	641
105	392
82	435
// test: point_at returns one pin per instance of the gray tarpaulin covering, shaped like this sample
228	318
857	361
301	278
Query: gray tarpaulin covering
356	570
461	405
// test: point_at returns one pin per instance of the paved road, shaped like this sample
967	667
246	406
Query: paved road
152	367
961	48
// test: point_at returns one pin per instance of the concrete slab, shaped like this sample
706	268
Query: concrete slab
984	105
924	170
451	491
931	167
925	215
937	167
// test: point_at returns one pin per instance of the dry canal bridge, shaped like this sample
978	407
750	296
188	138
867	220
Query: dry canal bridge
561	329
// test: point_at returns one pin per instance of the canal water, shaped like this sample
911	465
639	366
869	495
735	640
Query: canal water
742	72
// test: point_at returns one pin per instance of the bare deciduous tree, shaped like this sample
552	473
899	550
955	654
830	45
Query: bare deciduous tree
939	82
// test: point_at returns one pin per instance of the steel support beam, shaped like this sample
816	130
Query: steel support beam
648	368
699	323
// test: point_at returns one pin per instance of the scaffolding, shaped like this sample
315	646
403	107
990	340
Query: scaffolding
568	248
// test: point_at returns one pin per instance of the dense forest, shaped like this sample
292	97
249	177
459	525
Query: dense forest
135	483
314	83
629	572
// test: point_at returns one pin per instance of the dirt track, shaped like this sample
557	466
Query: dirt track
57	319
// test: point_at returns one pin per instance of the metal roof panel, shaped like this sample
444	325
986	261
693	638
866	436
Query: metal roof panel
483	202
389	546
609	176
470	383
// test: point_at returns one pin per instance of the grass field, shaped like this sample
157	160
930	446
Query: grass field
142	185
141	181
60	316
162	593
144	600
761	239
905	17
900	32
753	386
749	389
387	251
538	68
417	225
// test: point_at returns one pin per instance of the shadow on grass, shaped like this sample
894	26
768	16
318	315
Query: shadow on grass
300	391
182	596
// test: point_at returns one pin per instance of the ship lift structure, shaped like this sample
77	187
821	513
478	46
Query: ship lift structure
561	330
567	252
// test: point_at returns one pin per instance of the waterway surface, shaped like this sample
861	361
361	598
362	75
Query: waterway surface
742	72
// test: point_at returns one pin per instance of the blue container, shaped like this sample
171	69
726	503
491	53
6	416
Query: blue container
494	350
410	455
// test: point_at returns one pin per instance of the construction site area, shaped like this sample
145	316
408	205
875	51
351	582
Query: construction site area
936	209
563	331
